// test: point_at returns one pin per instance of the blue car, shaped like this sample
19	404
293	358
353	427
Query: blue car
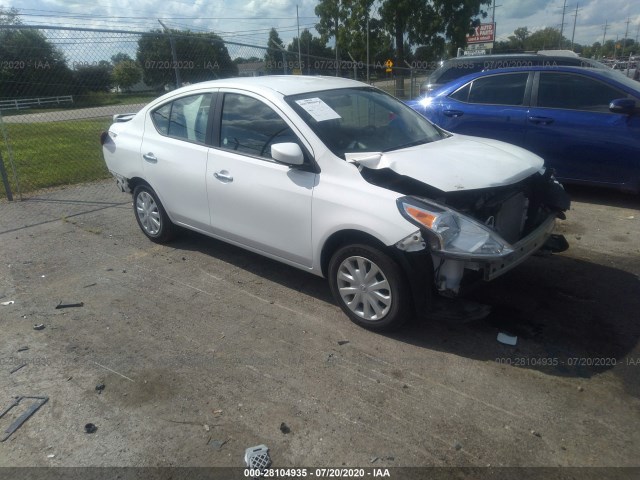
585	123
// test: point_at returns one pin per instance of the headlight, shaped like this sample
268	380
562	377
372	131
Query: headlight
451	232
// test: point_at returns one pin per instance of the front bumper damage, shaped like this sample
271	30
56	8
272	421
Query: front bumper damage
449	269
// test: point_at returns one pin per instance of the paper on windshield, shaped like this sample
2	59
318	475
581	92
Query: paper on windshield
319	110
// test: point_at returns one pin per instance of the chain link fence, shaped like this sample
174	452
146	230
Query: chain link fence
60	87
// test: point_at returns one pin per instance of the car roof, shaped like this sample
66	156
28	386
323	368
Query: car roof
283	84
608	75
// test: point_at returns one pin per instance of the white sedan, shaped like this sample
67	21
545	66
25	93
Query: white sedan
339	179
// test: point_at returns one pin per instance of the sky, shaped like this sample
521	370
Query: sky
249	21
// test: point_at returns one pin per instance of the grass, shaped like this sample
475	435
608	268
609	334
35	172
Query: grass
54	153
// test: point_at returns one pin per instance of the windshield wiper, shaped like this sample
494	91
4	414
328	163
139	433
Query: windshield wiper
407	145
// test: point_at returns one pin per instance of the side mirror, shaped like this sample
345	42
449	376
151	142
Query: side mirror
287	153
626	106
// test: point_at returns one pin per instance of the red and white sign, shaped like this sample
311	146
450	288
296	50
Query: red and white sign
483	33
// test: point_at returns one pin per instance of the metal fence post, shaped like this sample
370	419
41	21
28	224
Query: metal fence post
5	179
3	171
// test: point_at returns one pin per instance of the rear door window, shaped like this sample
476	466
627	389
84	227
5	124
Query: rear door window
575	92
505	89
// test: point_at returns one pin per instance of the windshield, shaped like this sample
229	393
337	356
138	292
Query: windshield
351	120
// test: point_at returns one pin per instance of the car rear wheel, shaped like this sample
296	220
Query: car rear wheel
370	287
151	216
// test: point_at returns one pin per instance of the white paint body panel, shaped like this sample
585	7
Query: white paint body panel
458	163
285	213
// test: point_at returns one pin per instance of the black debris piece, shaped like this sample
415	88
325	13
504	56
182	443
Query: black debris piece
284	428
33	408
69	305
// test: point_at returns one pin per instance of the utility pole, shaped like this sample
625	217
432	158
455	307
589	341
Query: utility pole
337	18
367	46
624	40
575	19
564	8
493	20
299	52
173	54
606	24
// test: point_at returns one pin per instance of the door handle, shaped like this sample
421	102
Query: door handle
150	157
453	113
541	120
223	176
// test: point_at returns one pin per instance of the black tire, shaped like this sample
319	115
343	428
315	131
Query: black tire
151	215
378	300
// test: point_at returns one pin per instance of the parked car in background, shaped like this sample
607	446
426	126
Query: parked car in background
628	69
339	179
584	122
454	68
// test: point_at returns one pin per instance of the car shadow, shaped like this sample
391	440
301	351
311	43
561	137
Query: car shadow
572	317
603	196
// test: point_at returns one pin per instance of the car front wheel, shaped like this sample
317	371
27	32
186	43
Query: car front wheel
151	216
370	287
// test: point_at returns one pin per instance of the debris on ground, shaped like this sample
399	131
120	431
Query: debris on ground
457	446
33	408
100	387
217	412
90	428
217	444
38	326
90	285
284	428
23	349
69	305
535	433
343	342
507	339
17	368
6	304
257	457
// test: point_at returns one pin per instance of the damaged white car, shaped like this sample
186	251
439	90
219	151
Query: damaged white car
339	179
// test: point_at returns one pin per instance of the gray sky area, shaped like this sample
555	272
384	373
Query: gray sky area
250	21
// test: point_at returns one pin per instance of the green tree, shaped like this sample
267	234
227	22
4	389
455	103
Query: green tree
274	61
120	57
126	74
418	22
93	78
313	50
347	22
31	65
200	57
9	16
519	38
545	39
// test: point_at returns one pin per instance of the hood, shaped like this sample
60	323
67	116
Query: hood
457	163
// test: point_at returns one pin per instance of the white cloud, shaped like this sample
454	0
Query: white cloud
249	22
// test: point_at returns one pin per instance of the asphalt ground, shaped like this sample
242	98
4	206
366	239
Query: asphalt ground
205	350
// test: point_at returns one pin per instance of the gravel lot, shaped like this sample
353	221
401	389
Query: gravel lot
199	341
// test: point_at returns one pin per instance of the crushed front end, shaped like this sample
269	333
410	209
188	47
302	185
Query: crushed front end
483	233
